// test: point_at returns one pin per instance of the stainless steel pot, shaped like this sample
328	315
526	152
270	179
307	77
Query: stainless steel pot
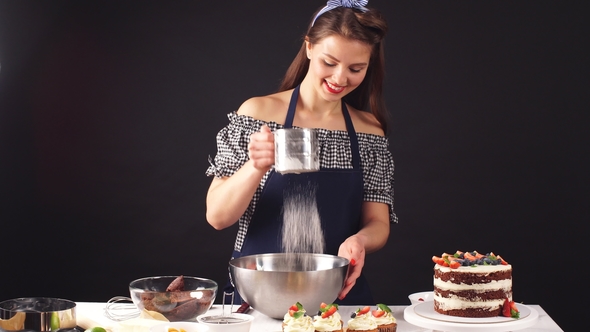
37	314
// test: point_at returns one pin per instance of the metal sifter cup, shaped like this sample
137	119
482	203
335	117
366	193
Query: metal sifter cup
296	150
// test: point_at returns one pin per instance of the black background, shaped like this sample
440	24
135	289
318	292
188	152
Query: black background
109	110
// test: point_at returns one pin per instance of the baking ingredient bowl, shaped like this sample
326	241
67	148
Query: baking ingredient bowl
420	297
184	303
234	322
37	314
271	283
179	327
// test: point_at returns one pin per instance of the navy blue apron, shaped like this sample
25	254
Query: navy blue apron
339	195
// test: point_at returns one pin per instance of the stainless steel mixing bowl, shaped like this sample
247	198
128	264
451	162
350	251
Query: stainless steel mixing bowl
271	283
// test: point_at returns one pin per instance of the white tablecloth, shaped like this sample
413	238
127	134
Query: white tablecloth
90	314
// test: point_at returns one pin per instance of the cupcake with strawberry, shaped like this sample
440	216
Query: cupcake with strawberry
297	320
362	320
384	318
328	319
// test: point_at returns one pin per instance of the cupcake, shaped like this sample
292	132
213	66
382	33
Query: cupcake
296	320
362	320
328	319
384	319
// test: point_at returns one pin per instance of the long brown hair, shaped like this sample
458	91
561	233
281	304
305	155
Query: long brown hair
368	27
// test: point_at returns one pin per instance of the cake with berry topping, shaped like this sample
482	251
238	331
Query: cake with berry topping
384	318
362	320
297	320
470	284
328	319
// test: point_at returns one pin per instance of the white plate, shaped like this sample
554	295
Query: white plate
426	310
423	315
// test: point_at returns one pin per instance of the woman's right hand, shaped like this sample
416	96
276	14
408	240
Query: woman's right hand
261	149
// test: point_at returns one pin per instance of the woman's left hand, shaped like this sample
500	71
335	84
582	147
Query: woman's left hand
354	250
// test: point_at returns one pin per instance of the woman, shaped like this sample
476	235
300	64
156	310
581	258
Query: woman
337	74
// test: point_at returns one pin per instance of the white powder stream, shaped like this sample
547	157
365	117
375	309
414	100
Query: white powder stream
302	230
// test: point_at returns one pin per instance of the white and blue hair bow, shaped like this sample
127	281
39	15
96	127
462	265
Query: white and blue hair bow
356	4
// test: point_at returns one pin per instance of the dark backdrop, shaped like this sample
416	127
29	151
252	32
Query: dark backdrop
109	111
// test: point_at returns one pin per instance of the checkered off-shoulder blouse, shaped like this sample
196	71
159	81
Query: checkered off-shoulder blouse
376	161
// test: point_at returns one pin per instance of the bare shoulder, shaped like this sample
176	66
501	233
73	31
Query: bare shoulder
365	122
266	108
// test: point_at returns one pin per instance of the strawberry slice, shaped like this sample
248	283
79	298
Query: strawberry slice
378	313
438	260
455	265
514	310
323	305
292	312
469	256
506	308
363	310
294	307
331	310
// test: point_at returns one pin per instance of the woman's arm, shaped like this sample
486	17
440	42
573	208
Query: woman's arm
229	197
371	237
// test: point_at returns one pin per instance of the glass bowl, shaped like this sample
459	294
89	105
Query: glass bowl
195	298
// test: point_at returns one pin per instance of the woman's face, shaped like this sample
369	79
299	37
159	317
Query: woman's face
337	65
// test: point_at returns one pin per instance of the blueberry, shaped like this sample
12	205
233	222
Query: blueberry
353	315
319	312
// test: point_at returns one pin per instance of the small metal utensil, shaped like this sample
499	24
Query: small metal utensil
224	318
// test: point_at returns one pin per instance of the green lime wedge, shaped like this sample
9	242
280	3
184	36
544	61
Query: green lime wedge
96	329
54	323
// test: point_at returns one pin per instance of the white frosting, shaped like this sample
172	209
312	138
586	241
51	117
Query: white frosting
288	318
454	302
385	319
505	284
331	323
475	269
363	322
301	324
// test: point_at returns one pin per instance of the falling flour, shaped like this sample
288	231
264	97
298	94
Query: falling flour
302	229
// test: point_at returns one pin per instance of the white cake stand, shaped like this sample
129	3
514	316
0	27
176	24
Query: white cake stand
423	315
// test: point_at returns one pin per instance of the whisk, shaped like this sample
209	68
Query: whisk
121	308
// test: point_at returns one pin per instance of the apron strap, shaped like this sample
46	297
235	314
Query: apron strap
292	107
354	143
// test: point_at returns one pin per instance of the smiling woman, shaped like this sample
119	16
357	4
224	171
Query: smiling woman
333	85
109	110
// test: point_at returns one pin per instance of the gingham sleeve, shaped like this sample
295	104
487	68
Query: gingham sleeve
377	164
232	144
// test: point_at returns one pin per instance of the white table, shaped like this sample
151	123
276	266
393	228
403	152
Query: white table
91	314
